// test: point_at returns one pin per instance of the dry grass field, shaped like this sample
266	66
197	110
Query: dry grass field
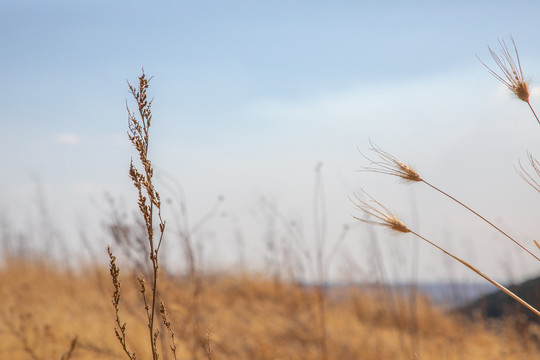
47	312
50	311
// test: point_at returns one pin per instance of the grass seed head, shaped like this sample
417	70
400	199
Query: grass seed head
534	178
377	210
512	74
390	165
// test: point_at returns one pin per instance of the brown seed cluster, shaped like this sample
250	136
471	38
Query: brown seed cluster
380	212
150	207
390	165
512	74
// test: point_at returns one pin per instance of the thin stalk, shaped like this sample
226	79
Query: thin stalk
390	165
534	112
386	219
501	287
483	218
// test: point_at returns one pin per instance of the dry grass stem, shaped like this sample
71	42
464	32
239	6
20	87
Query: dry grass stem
388	220
390	165
21	333
208	346
512	73
499	286
150	207
530	179
148	196
168	326
72	347
120	331
26	331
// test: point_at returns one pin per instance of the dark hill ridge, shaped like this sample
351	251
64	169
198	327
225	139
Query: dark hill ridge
498	304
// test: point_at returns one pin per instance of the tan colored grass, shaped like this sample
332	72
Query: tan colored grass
377	214
150	208
249	317
390	165
534	179
388	220
511	73
385	218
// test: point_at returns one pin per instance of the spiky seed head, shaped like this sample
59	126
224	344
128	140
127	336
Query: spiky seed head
512	73
521	90
380	212
390	165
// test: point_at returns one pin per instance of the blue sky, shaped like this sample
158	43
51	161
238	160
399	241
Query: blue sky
250	96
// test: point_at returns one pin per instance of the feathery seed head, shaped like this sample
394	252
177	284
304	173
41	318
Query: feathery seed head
531	179
512	74
390	165
380	212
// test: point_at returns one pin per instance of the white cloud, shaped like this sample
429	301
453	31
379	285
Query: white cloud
67	138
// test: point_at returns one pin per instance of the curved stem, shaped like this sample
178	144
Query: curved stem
499	286
534	112
483	218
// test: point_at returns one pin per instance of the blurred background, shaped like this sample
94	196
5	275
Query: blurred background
260	112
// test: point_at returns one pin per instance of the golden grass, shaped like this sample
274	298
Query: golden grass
239	317
47	313
385	163
150	208
511	73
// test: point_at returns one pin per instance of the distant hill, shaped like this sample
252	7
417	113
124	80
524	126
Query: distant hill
454	295
446	295
499	304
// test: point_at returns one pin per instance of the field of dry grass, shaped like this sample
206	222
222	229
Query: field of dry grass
45	311
50	311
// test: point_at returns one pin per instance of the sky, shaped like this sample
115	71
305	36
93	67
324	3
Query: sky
249	97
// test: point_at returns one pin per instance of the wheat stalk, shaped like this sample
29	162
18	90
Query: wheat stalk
390	165
387	219
149	204
512	73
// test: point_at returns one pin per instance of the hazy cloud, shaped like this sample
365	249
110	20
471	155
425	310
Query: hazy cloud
67	138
